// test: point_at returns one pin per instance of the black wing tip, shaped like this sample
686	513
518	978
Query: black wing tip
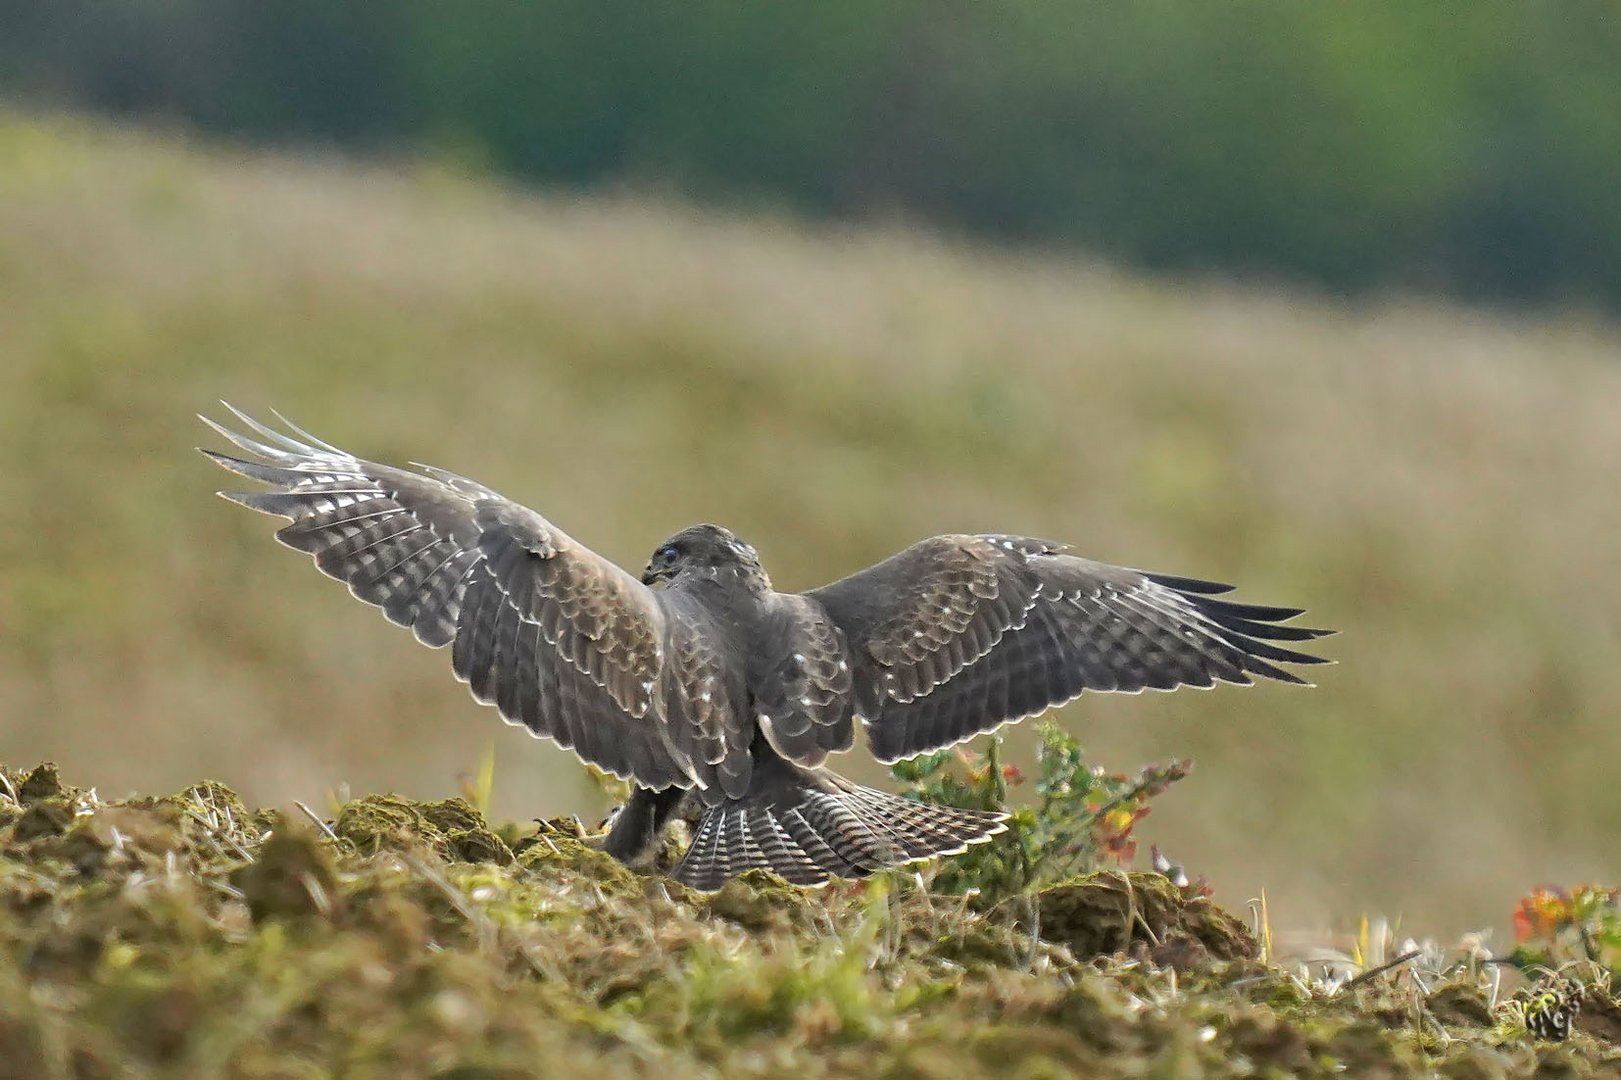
1201	594
1260	651
1233	610
1197	586
1276	674
1251	628
1256	663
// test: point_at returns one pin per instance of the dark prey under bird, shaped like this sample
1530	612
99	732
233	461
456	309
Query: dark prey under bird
698	681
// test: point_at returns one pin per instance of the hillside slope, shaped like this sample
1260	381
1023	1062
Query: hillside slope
1435	482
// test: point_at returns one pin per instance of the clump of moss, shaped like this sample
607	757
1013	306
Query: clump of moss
1461	1004
451	827
558	848
757	900
1600	1017
293	874
191	935
1107	912
40	783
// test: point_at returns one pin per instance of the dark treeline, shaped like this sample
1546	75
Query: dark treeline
1473	148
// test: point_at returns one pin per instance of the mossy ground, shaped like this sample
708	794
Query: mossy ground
189	935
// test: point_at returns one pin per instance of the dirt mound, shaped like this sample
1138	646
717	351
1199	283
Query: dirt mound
189	935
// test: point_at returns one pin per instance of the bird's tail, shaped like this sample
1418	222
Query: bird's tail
808	825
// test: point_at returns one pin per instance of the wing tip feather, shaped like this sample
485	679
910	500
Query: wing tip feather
247	499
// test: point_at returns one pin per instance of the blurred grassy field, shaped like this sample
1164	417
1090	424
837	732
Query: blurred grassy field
1437	482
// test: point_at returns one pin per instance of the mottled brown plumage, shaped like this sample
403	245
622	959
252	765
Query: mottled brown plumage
700	682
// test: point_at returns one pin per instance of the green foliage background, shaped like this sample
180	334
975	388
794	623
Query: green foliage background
1467	147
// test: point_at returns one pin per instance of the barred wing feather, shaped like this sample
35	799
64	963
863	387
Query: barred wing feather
561	640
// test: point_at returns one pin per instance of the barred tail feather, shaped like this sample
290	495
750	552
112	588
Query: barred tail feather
809	825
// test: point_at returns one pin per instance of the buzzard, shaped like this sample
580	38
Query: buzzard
696	680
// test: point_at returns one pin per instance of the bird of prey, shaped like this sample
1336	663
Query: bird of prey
697	681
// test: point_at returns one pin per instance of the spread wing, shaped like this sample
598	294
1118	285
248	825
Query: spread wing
958	635
561	640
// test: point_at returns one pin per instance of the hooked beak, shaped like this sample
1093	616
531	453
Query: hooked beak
651	576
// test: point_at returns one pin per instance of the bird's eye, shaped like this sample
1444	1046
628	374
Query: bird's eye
666	556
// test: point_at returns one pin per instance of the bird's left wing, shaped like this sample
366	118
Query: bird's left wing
958	635
563	641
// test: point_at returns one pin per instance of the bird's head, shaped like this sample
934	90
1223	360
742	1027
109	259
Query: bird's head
705	551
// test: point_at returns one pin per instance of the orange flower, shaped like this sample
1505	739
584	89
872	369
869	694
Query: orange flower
1541	913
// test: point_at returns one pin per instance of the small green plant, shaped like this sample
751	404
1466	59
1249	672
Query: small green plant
1082	818
1545	1010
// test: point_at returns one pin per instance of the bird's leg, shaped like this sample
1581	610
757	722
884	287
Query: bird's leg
636	828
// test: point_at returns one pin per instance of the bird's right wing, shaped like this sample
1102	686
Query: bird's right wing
561	640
